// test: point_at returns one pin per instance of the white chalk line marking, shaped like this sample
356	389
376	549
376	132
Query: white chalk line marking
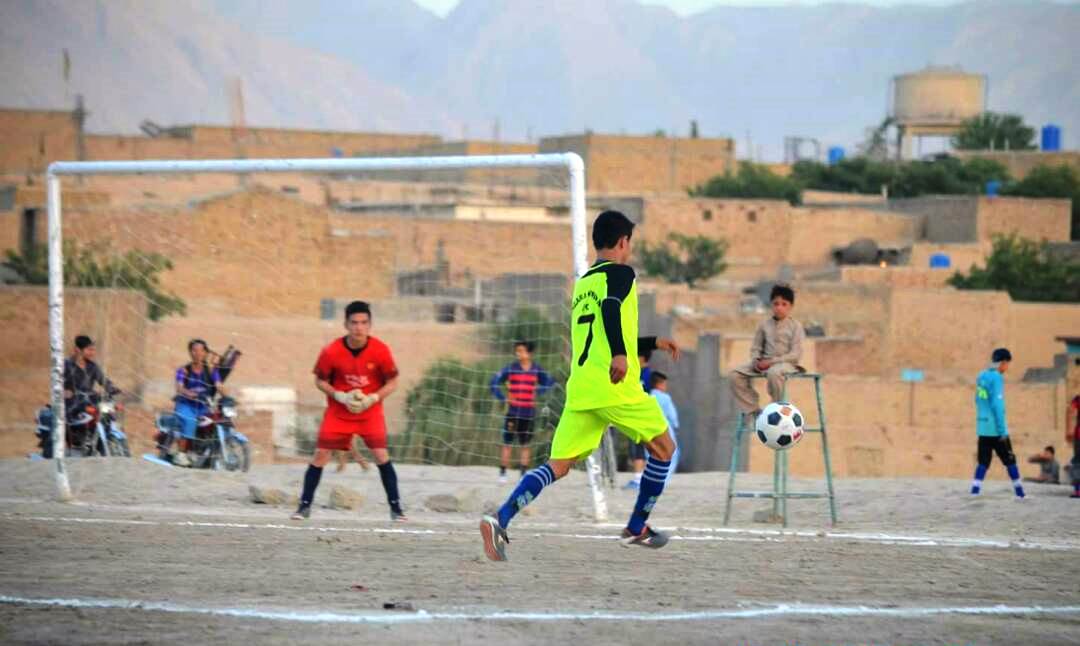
778	534
424	616
712	534
893	539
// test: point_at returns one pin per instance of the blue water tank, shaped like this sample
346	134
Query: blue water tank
940	261
1051	137
836	153
992	187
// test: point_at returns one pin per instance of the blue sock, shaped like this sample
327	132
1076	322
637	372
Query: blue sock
311	482
1014	473
652	485
389	483
976	484
528	488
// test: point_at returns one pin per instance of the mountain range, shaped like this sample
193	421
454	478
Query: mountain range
520	69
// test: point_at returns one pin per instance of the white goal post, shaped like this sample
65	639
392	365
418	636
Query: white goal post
571	163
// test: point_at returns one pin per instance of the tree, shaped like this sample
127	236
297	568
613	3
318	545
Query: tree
876	144
938	177
854	175
690	260
752	181
1051	181
550	338
992	130
94	265
942	176
978	171
452	416
1023	268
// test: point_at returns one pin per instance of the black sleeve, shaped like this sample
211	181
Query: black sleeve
645	345
620	278
69	380
99	377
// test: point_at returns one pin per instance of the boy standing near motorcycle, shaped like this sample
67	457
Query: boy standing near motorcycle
356	373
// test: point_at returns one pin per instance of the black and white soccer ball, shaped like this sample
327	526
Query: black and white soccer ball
779	426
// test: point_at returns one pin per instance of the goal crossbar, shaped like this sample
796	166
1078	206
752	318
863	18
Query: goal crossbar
570	162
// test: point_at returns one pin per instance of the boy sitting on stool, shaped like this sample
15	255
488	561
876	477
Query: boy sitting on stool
775	353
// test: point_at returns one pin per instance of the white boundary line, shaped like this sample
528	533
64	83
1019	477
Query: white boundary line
423	616
711	534
894	539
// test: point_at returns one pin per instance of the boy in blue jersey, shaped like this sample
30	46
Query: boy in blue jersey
525	382
990	423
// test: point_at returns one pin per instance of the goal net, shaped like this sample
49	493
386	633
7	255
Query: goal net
463	260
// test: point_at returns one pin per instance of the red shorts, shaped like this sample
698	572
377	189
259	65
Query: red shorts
337	434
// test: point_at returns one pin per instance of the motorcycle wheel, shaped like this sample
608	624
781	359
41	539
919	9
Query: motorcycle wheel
239	458
119	448
79	446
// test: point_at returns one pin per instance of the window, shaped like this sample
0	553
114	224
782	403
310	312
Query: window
28	238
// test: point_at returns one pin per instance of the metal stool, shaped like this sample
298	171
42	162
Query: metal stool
780	494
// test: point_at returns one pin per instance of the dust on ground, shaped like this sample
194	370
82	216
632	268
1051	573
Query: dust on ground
147	533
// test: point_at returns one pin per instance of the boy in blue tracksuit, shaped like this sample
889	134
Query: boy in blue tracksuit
658	383
990	422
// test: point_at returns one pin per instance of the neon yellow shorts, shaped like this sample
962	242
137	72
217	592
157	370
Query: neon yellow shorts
580	431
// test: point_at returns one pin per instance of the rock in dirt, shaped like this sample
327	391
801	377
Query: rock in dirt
345	498
442	502
464	501
267	495
767	516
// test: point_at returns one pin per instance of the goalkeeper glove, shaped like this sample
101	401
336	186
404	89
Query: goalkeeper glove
349	401
367	401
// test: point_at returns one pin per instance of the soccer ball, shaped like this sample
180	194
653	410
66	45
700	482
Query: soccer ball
779	426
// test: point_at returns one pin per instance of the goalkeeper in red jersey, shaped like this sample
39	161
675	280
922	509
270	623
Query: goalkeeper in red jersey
356	372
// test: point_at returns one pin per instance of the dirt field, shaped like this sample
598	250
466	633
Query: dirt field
157	555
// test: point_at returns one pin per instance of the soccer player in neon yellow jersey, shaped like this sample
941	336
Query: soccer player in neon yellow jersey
604	389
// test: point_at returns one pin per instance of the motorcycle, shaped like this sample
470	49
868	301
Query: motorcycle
217	443
92	429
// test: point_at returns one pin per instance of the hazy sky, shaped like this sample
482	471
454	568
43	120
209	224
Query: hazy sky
442	7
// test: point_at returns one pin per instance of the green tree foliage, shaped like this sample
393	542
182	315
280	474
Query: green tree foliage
944	176
876	144
550	338
849	175
1051	181
33	267
453	417
684	259
94	265
1024	269
752	181
996	131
